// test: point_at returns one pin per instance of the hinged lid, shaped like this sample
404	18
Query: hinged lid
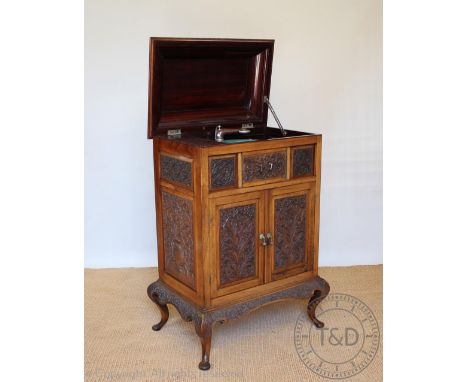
196	83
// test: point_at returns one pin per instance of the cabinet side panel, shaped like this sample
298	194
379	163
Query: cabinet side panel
176	170
178	238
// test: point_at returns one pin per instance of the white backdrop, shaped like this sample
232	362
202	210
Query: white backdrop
327	78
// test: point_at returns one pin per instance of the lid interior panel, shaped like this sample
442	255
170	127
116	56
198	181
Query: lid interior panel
201	83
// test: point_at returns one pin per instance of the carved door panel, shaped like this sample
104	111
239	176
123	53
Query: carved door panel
290	223
238	253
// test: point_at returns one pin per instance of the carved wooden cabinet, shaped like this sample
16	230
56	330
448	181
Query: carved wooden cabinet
237	219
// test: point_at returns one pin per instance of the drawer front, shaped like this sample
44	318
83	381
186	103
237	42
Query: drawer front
223	172
264	167
302	161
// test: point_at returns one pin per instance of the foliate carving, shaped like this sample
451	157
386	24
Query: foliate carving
316	289
223	173
237	243
264	166
176	170
204	319
303	161
290	231
178	238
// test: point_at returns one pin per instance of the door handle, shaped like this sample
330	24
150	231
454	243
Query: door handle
263	240
266	240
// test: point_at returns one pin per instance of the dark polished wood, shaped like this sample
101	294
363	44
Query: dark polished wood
205	82
318	295
237	224
162	308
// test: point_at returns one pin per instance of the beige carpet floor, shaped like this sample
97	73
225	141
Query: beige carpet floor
120	345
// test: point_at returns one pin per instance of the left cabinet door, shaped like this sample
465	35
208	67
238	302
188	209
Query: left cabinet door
236	223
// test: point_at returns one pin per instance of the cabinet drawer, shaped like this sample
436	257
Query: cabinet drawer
302	161
222	172
264	167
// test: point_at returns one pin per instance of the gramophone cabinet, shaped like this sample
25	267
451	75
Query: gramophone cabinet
237	210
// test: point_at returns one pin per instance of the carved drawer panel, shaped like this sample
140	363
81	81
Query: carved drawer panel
176	170
223	172
264	167
177	214
302	161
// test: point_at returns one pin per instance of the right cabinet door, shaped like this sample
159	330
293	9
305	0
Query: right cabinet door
291	226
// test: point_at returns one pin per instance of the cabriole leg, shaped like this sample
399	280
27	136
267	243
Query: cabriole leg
162	307
203	330
164	316
317	296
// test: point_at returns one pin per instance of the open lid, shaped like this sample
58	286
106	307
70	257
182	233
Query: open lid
195	83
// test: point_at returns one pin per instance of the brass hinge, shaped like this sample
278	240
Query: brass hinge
174	133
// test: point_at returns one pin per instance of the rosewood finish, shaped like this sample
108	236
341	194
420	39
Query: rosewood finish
237	224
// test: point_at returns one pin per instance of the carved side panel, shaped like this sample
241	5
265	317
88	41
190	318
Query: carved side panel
290	231
237	243
223	172
176	170
178	238
264	166
303	161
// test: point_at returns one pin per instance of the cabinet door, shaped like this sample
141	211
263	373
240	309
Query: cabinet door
291	225
236	223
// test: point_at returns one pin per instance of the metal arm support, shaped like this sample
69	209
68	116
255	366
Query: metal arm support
267	101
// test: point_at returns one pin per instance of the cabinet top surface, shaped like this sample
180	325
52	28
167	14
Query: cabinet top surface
206	138
196	83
